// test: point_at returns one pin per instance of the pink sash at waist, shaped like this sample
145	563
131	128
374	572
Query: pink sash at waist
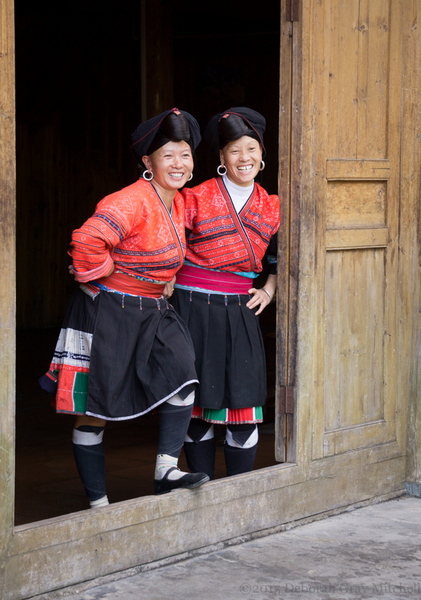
217	281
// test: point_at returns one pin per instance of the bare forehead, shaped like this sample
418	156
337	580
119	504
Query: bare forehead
245	140
173	147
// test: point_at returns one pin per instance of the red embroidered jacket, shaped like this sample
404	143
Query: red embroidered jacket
222	239
133	229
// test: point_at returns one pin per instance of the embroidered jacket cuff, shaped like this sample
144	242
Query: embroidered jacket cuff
93	274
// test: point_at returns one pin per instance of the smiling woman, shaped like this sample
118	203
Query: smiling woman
233	222
123	351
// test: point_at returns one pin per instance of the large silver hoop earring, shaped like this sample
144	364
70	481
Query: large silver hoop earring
150	175
218	170
191	176
262	166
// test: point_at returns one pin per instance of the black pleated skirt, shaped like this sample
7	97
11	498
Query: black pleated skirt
120	356
228	343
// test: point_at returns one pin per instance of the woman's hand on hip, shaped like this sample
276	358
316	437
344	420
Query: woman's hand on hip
169	288
263	296
259	298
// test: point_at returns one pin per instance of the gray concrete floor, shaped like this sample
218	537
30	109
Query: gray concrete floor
370	552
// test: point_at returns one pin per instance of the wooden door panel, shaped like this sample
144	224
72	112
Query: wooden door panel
357	169
356	61
356	204
354	359
354	313
361	238
357	153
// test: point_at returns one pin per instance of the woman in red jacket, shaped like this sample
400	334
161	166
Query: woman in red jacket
233	224
123	350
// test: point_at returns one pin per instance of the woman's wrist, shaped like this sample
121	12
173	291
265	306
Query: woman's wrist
268	293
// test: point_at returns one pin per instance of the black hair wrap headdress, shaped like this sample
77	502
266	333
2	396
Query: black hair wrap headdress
251	118
145	134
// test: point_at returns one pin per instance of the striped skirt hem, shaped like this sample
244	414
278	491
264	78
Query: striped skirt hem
228	416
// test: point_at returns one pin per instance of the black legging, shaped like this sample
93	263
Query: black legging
90	459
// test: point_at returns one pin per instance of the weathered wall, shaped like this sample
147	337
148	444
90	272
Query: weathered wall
410	241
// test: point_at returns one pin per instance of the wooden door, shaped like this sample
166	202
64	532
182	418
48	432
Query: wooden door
351	133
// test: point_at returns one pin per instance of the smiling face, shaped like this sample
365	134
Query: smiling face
242	159
171	165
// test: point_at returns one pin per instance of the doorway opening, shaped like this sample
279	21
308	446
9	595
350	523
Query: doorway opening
83	85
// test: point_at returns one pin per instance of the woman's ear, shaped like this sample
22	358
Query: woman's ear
146	162
221	157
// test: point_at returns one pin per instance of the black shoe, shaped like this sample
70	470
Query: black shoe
189	480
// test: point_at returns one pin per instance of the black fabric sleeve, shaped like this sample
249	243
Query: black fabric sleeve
272	254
